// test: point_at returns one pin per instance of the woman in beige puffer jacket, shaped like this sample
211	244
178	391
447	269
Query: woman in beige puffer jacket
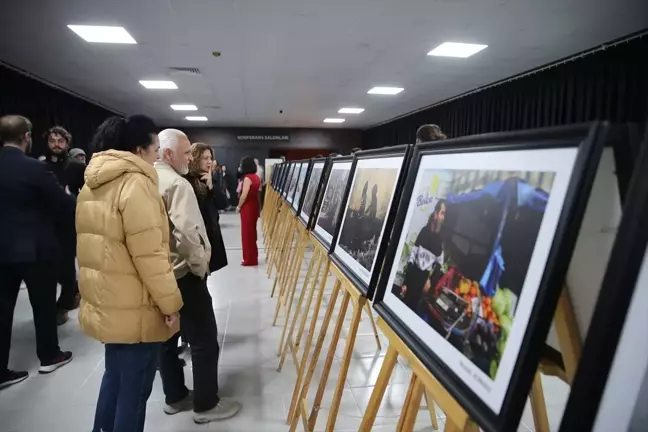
129	296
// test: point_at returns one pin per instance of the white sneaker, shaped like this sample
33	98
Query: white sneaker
223	410
185	404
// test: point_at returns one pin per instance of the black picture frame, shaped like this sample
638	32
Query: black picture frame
313	185
281	177
610	317
296	203
290	197
312	219
368	288
334	161
589	139
286	185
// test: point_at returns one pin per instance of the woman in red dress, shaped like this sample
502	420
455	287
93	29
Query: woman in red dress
249	207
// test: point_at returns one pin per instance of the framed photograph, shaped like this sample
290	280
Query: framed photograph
276	175
368	215
333	199
313	187
289	179
301	181
479	251
292	185
611	383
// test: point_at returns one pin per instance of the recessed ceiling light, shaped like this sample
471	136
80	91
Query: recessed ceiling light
333	120
385	90
103	34
196	118
159	85
350	110
455	49
184	107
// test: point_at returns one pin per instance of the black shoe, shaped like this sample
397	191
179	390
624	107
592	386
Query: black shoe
61	317
12	377
62	359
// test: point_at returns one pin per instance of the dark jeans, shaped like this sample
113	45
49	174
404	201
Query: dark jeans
40	279
69	285
125	387
198	326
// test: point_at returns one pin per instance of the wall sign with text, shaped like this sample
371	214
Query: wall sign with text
263	138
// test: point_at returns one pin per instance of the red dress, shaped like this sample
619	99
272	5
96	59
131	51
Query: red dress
249	215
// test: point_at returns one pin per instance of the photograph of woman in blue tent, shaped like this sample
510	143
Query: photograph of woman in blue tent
468	248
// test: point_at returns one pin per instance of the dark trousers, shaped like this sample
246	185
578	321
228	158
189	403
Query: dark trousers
41	286
126	386
198	327
69	285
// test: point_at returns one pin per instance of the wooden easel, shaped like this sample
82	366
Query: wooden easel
570	345
422	382
299	407
277	227
269	215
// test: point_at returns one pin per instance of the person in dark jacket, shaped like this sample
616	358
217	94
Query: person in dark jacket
69	173
34	211
201	180
219	187
230	187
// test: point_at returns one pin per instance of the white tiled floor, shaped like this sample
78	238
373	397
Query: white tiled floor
64	401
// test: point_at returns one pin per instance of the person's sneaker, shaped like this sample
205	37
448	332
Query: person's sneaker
61	360
185	404
223	410
12	377
61	317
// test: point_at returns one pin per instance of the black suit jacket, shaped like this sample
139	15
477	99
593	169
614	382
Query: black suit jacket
36	215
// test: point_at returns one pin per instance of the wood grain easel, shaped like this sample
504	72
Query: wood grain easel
299	407
424	383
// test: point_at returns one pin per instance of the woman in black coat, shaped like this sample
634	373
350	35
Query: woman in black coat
200	177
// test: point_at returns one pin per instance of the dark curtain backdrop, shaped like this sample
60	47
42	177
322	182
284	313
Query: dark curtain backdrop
611	84
47	106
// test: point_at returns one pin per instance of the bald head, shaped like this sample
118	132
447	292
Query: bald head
175	150
16	130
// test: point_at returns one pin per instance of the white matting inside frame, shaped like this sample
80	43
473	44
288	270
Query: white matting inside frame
388	162
342	166
561	162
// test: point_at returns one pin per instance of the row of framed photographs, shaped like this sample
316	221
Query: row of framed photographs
463	245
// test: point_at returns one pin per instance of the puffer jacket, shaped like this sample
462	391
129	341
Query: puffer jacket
125	275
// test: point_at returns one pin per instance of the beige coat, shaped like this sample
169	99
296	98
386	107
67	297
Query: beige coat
190	248
125	275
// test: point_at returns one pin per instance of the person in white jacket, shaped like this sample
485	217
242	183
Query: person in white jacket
190	255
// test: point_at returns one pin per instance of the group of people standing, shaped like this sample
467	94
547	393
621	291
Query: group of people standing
145	226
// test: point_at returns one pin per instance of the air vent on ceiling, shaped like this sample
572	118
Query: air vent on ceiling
184	71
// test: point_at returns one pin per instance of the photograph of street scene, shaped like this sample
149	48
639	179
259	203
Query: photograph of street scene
467	250
366	212
300	185
311	190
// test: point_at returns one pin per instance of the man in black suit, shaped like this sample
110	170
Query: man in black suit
69	173
33	209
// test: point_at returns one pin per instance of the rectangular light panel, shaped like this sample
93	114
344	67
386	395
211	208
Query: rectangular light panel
333	120
159	85
455	49
385	90
103	34
184	107
350	110
196	118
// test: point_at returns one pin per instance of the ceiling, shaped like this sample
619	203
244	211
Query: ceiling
305	57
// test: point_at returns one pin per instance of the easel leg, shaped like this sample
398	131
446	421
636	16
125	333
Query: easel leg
378	392
414	407
406	403
329	360
346	360
373	324
289	342
538	407
429	400
301	390
286	275
292	296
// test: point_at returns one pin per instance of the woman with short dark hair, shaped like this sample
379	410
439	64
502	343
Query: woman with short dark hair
249	206
129	295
